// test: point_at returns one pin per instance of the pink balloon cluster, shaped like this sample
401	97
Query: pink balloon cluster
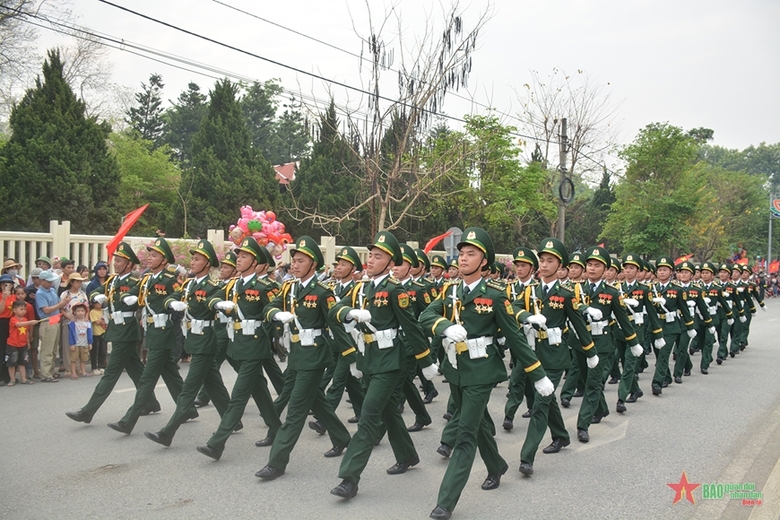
263	227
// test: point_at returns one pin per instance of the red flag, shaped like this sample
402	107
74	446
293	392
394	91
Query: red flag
682	259
774	266
435	240
53	320
742	261
130	219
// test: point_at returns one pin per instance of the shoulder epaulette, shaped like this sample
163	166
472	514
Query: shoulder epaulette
325	286
132	279
418	284
391	279
495	285
167	275
212	283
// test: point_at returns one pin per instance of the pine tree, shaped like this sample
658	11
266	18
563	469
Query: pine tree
226	172
56	164
146	119
182	121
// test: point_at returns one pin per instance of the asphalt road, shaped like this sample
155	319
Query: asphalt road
723	428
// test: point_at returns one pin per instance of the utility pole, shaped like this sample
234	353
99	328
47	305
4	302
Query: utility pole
769	246
563	146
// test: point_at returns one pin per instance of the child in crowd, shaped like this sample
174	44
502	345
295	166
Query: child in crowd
79	340
20	293
17	350
98	352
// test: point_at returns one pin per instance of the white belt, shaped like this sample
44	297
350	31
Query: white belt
224	319
599	328
477	347
306	337
383	338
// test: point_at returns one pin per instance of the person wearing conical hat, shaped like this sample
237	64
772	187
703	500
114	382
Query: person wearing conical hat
119	295
199	299
671	304
156	298
719	310
734	302
749	294
553	306
469	315
303	305
379	307
701	319
249	346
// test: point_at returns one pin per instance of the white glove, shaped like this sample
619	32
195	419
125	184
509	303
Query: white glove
501	341
130	300
175	306
730	321
763	308
353	369
691	334
284	317
99	298
544	386
691	304
595	314
707	300
742	319
711	330
456	333
740	289
660	300
430	371
660	343
537	319
359	315
592	361
631	302
225	306
637	350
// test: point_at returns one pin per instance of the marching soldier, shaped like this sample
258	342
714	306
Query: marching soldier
199	299
453	270
556	305
719	310
575	377
380	306
750	293
469	315
249	345
303	305
734	302
424	299
155	296
123	332
700	315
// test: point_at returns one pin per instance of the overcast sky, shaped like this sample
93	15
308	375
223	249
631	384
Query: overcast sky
693	63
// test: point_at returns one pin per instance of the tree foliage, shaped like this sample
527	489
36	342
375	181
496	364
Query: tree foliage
146	117
182	121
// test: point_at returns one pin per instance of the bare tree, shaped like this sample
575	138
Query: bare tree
388	132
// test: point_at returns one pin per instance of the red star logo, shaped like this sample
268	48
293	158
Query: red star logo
683	488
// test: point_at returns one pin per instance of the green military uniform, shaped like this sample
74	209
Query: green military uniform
249	346
647	327
155	295
557	304
309	302
577	373
607	299
201	296
123	332
670	301
701	318
474	367
720	312
734	304
382	360
749	294
739	325
425	294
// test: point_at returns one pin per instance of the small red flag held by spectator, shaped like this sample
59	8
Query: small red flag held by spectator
53	320
130	219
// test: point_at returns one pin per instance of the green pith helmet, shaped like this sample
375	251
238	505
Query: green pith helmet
250	245
387	242
736	267
438	261
525	255
576	258
422	258
309	247
685	266
479	238
633	259
617	264
454	263
124	250
709	266
555	247
408	255
664	261
205	248
350	255
230	259
598	253
161	246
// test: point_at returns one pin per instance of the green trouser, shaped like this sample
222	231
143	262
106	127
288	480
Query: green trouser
327	375
576	377
248	382
159	362
474	432
427	384
593	402
124	356
736	335
379	410
283	397
203	372
305	395
545	412
629	381
723	339
219	358
519	386
708	341
610	361
343	379
449	435
661	374
746	327
683	361
618	359
274	373
407	390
